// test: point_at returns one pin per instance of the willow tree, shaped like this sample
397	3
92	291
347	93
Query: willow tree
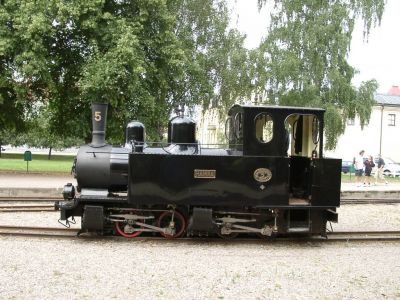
303	59
219	72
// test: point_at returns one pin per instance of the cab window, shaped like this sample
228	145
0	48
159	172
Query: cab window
238	125
264	126
229	129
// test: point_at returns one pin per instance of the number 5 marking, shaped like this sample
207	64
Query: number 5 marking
97	116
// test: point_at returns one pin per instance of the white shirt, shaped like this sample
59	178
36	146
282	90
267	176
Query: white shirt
359	162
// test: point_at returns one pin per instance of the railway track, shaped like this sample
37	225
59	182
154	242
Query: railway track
339	236
8	203
29	199
38	231
40	205
26	208
54	199
364	235
27	204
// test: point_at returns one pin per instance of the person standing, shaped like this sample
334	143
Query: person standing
358	166
379	171
369	164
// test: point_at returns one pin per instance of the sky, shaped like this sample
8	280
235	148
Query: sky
377	58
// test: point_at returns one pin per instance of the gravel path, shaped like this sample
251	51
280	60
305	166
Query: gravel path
36	268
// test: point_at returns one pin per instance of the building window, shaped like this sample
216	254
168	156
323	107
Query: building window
392	120
350	122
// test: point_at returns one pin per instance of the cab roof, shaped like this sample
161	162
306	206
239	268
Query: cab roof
295	109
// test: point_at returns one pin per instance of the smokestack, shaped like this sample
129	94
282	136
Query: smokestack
99	117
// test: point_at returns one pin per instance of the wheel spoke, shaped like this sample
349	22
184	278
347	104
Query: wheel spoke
174	220
120	228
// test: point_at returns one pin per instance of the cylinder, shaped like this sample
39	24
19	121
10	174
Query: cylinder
99	117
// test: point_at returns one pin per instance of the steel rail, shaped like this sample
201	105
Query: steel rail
26	208
364	235
9	230
30	199
347	201
339	236
343	201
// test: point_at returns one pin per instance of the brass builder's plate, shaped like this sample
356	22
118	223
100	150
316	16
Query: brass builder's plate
198	173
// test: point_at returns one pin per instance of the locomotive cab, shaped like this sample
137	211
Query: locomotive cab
295	135
292	133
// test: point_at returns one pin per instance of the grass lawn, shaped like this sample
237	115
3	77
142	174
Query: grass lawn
352	178
39	163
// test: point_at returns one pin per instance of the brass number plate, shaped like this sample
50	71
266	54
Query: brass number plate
204	173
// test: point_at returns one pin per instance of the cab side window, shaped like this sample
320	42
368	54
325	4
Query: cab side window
229	129
238	125
264	126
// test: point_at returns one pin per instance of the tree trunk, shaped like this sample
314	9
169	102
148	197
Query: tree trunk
49	157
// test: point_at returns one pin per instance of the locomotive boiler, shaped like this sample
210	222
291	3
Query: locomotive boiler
271	178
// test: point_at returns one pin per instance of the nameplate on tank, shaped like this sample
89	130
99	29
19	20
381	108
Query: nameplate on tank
198	173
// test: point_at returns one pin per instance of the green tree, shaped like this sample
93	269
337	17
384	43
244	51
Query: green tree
39	134
217	73
141	57
11	108
304	59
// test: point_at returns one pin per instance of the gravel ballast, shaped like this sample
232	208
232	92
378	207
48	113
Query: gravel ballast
33	268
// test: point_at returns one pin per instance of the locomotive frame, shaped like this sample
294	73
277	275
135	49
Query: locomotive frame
272	179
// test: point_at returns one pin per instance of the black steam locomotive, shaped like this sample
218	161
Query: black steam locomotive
271	179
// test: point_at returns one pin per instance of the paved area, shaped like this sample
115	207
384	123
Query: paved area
33	185
32	180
